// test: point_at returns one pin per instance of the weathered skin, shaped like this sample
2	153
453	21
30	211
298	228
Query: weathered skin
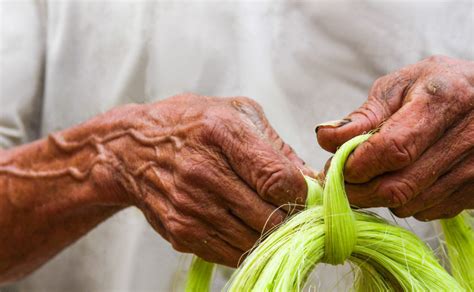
208	173
421	160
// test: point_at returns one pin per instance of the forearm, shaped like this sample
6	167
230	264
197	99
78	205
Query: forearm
50	196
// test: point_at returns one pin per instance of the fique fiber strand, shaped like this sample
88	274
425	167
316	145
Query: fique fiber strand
199	275
384	257
459	237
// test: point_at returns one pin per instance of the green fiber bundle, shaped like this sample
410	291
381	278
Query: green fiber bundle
459	238
384	257
200	275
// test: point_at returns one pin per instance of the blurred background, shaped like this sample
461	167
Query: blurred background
305	62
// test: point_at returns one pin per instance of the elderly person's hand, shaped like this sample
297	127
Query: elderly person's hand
209	173
420	162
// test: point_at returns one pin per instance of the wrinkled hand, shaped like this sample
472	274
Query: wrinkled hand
208	173
421	160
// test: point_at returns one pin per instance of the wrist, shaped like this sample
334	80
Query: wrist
44	175
104	147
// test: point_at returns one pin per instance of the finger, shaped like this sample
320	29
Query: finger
401	187
218	251
267	171
445	186
204	241
236	232
214	186
231	228
189	234
255	212
188	228
384	99
450	206
186	233
406	135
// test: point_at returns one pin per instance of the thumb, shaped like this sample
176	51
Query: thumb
385	98
333	134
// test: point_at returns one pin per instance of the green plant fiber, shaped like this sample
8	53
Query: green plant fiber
199	275
384	257
459	237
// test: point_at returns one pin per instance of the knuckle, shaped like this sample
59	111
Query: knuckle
386	82
384	88
400	152
364	165
354	172
378	88
283	185
450	89
374	112
396	192
271	183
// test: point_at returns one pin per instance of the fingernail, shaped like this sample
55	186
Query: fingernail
333	124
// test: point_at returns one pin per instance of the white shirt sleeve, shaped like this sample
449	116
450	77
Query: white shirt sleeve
22	48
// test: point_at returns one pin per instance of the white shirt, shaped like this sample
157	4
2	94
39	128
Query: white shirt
307	62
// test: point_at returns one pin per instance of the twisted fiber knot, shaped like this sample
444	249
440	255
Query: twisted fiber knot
339	220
